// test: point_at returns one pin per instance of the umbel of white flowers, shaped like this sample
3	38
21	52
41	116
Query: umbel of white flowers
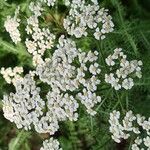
40	39
85	18
61	73
131	124
122	77
26	108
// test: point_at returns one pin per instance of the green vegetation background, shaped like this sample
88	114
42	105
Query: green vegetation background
132	33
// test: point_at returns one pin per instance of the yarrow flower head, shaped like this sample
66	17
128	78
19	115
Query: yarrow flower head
131	124
68	84
25	106
62	75
11	25
127	70
40	39
84	19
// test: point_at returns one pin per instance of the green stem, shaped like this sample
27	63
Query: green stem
105	143
127	101
19	140
104	112
99	46
91	119
101	103
1	104
145	39
12	49
119	100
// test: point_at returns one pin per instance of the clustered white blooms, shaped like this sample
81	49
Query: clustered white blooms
84	19
62	75
27	109
41	39
25	106
50	144
36	8
131	124
63	106
11	25
12	75
125	72
72	75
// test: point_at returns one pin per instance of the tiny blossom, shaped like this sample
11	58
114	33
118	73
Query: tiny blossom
37	59
51	144
138	141
131	124
147	141
67	2
89	99
12	75
83	16
122	76
127	83
11	25
113	81
135	147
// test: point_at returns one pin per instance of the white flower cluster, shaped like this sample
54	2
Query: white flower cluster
71	74
62	75
49	2
12	75
50	144
36	8
126	70
130	124
11	25
138	142
41	39
24	107
84	19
